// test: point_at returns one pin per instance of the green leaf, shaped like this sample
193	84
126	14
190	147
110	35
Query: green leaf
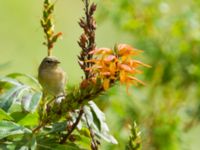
99	124
89	116
28	141
18	115
57	127
107	137
30	102
3	146
96	119
32	79
4	115
8	128
50	144
10	80
25	119
98	115
65	147
33	143
8	98
31	119
24	148
84	142
20	92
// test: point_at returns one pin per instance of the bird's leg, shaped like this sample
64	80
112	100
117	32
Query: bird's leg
59	98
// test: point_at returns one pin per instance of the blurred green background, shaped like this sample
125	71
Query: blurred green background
167	110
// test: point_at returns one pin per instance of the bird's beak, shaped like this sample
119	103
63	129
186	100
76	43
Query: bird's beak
58	62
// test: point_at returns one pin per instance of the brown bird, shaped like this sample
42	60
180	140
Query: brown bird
52	77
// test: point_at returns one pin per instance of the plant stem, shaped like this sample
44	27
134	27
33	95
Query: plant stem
38	127
73	127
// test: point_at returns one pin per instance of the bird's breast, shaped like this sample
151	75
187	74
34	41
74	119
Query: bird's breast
53	79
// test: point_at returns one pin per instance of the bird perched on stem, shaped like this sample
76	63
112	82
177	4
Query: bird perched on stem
52	77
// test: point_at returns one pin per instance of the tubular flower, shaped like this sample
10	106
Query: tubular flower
116	65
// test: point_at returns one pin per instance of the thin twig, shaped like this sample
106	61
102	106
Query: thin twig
38	127
73	127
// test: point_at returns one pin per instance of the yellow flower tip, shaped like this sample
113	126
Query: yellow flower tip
88	69
127	89
106	84
138	71
137	80
125	49
105	73
125	46
98	51
136	52
110	58
91	60
125	67
146	65
140	63
92	52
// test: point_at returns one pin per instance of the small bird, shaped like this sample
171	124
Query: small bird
52	77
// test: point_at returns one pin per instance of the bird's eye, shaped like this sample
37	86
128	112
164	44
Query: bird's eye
48	61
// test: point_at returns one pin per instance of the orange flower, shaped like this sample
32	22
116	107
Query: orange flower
101	51
124	50
116	65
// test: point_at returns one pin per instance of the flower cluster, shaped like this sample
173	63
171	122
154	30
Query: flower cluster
118	64
47	23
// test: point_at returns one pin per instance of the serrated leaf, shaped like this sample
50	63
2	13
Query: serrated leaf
4	115
8	128
30	102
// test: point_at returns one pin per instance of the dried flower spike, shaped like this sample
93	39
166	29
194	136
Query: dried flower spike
87	39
